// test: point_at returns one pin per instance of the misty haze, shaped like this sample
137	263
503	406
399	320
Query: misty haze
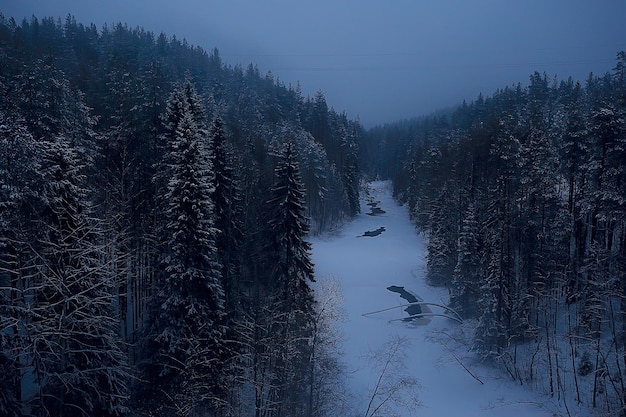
289	209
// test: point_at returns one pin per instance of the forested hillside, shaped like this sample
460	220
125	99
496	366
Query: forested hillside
153	208
523	197
155	204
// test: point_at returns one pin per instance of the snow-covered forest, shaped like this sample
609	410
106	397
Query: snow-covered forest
157	208
153	208
522	195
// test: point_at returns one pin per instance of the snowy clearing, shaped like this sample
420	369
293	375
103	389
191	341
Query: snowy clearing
437	370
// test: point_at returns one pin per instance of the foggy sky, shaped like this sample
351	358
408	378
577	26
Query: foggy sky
380	60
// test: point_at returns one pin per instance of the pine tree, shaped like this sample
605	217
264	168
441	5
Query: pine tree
442	241
292	267
229	243
227	202
318	123
574	149
20	177
494	302
349	162
490	336
536	194
183	361
291	272
465	287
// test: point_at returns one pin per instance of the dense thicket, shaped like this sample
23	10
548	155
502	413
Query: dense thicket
148	262
523	198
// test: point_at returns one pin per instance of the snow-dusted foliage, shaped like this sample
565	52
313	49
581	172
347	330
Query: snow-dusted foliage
184	341
291	271
465	286
442	241
288	227
327	376
522	197
60	339
227	202
128	205
78	361
20	175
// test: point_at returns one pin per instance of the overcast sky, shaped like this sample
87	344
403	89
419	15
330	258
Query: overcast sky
381	60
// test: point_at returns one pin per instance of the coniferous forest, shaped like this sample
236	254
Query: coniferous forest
522	195
153	208
155	204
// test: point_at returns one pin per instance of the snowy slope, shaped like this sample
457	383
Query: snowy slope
366	266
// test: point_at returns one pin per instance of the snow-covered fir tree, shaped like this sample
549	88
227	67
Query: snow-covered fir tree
292	269
291	272
184	345
349	156
20	177
227	202
443	238
465	286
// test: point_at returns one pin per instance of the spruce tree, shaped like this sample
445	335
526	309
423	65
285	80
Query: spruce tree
442	242
227	202
464	289
491	333
20	177
292	271
185	342
293	268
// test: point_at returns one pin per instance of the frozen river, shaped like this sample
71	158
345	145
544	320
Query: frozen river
430	364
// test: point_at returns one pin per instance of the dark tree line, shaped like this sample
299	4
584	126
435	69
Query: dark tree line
154	208
523	198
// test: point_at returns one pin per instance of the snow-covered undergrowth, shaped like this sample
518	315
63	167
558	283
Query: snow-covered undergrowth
391	366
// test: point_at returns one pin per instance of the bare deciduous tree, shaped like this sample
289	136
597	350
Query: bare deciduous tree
393	389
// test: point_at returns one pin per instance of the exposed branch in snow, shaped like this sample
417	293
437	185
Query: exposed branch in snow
456	316
393	387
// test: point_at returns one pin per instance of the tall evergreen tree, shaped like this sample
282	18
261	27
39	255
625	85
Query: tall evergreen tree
573	153
494	303
20	178
465	287
227	202
185	343
442	249
292	270
349	162
229	245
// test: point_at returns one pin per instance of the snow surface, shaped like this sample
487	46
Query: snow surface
366	266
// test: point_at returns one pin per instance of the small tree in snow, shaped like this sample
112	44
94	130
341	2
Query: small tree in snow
392	388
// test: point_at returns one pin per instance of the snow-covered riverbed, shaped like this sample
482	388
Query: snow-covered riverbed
451	380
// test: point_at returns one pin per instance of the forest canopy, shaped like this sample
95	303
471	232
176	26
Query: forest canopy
522	195
154	206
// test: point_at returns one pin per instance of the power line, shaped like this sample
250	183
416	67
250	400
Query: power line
467	66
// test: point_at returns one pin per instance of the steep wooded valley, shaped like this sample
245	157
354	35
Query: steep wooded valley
156	205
